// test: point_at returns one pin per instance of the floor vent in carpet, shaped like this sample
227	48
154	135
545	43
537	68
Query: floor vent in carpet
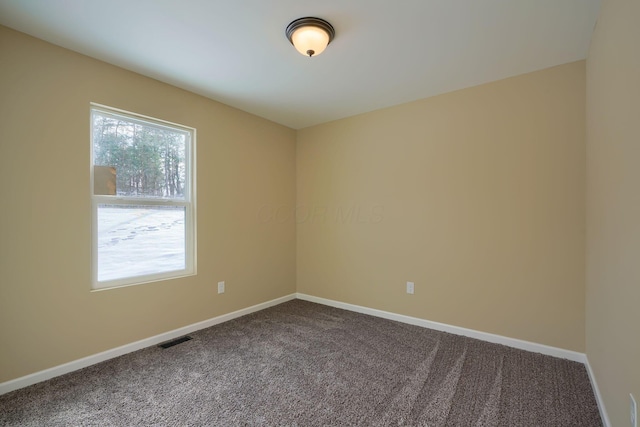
175	342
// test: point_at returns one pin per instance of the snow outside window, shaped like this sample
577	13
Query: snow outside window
142	198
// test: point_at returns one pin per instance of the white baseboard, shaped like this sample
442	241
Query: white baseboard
157	339
46	374
596	391
484	336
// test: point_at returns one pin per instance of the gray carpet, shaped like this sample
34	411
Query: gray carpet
304	364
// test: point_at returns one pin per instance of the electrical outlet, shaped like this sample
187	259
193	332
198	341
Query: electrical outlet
634	411
410	288
221	287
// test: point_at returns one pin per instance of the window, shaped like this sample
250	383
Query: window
143	198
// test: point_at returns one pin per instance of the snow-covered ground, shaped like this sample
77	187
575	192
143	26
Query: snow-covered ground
138	241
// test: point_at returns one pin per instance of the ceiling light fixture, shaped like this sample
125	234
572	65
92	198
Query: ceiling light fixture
310	36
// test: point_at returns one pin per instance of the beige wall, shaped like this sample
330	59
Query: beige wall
613	206
48	315
477	196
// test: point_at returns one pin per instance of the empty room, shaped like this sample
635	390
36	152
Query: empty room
296	213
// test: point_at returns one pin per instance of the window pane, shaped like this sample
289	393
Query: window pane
140	240
148	159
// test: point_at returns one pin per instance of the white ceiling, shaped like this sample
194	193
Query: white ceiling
385	52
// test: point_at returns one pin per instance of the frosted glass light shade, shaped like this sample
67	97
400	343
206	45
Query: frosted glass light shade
310	41
310	36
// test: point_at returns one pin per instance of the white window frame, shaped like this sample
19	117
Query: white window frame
189	202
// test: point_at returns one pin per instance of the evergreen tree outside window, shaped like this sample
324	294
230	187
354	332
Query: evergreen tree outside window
143	198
